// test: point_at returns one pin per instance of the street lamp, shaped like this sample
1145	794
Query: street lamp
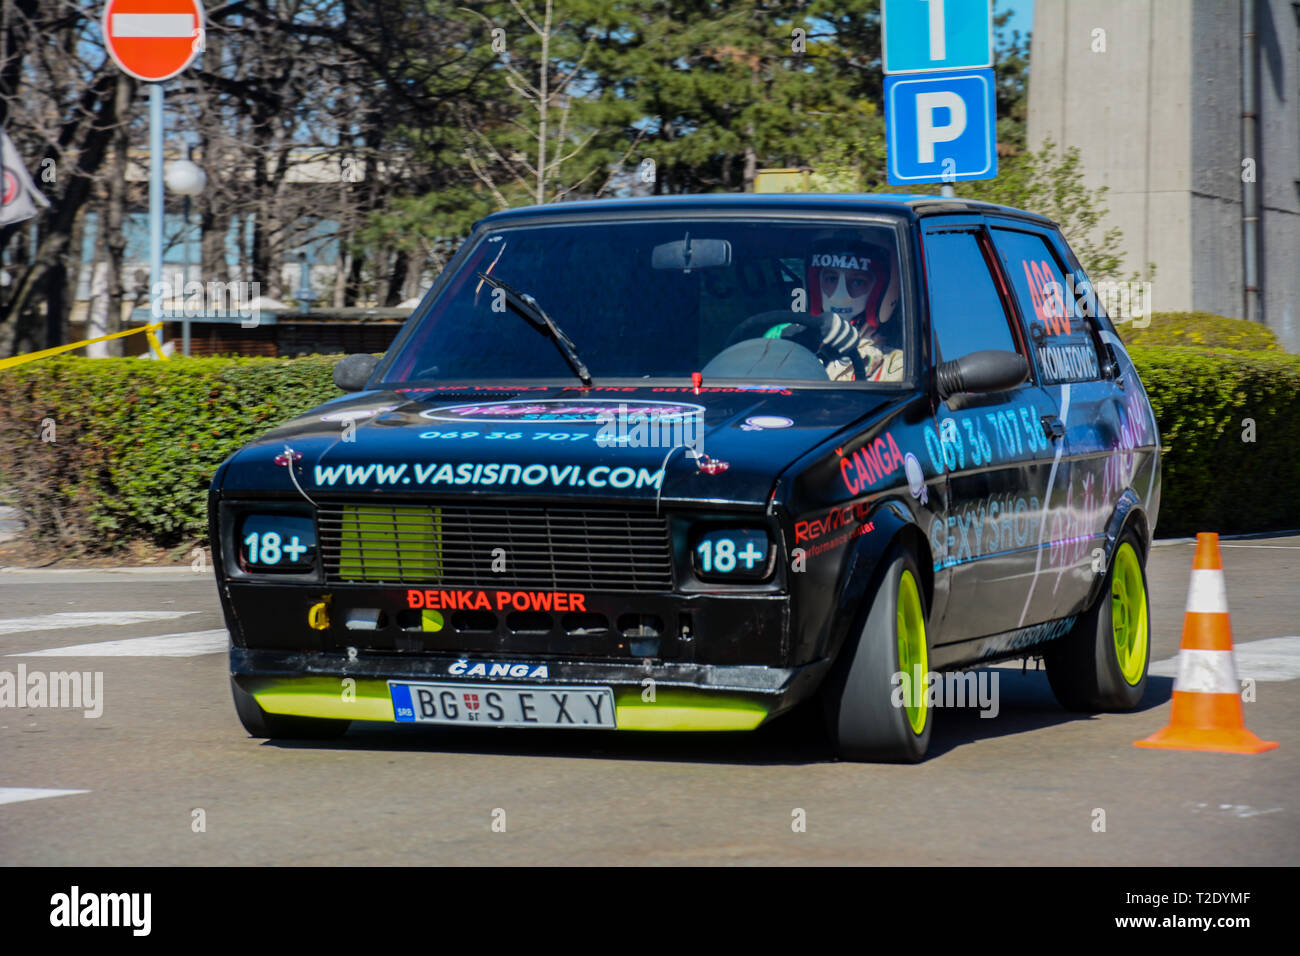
185	178
305	294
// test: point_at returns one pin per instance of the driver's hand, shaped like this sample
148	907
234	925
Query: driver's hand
837	335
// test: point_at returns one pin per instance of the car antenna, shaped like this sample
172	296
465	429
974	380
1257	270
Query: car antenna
287	458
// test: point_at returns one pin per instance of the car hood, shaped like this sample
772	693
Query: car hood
611	442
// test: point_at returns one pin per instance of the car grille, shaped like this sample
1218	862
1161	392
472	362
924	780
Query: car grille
458	546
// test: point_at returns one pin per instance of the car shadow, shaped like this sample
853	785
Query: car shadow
1025	704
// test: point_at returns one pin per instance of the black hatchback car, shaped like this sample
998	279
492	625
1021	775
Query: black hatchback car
686	463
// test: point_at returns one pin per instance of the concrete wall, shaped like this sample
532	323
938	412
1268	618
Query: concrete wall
1157	118
1279	93
1127	109
1216	276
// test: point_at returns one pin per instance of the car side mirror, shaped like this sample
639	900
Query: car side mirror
990	370
353	371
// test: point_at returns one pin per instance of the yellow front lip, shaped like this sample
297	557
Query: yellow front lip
368	699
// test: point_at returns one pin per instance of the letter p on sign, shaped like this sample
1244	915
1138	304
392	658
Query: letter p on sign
928	132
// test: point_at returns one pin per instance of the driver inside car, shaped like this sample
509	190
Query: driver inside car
853	289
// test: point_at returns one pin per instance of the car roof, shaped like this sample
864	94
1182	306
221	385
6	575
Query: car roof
911	205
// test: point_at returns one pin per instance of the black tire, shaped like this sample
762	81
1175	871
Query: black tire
862	719
1083	667
259	723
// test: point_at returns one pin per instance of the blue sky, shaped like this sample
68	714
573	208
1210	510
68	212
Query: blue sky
1023	14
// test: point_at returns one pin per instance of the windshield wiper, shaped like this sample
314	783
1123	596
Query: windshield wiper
526	307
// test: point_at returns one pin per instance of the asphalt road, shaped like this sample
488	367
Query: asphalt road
1019	788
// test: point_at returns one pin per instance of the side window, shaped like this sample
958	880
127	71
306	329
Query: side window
966	310
1062	342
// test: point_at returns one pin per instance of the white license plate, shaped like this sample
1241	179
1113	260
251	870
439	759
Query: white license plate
496	705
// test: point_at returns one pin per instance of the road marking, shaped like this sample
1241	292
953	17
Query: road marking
1272	547
19	794
1272	659
65	619
190	644
1241	811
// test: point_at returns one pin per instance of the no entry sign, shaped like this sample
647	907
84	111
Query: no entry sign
153	40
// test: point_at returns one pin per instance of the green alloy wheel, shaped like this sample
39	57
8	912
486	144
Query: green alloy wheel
864	718
1101	665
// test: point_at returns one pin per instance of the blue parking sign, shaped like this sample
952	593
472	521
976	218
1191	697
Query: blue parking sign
936	35
941	127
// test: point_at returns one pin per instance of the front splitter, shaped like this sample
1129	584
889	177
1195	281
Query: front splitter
647	696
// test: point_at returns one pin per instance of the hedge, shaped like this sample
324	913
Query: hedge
136	442
1199	330
1209	405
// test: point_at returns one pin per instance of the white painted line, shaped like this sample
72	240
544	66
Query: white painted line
1266	547
190	644
181	570
1272	659
153	25
1278	535
1051	483
1242	811
19	794
65	619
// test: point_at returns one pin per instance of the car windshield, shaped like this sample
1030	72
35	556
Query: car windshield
754	300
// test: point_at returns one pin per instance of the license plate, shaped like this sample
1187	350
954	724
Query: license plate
502	706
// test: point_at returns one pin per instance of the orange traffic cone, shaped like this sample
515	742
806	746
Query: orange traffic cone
1207	696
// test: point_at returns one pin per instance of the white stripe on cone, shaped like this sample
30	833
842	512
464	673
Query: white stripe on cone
1206	672
1207	594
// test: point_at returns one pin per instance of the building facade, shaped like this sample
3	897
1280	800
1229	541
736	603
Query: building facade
1152	94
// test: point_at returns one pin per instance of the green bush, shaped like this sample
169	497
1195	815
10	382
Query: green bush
136	442
1205	403
1200	330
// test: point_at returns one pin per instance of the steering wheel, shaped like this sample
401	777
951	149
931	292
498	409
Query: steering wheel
754	327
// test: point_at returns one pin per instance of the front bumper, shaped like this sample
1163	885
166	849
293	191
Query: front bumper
647	695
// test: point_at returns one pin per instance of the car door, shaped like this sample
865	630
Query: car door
1071	367
1001	460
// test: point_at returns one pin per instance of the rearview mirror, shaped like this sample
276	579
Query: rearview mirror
688	253
353	371
990	370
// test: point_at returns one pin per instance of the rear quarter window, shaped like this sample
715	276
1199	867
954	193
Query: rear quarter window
1063	345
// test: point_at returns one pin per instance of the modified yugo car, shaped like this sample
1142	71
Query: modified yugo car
689	463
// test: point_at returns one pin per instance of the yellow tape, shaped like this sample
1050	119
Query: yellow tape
148	331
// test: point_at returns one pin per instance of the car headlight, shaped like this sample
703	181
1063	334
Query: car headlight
271	543
733	555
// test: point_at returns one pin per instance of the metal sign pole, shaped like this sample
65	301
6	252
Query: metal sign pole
156	198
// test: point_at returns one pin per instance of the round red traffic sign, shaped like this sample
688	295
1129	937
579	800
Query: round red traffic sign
10	187
153	40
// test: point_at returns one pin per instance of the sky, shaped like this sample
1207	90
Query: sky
1023	14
